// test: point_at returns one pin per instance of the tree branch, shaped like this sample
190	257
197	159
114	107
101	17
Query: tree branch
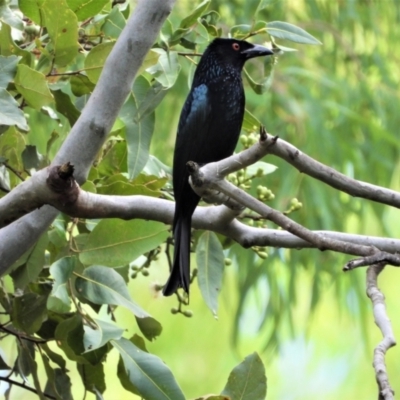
93	125
383	323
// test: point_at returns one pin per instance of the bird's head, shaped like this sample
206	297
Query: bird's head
236	52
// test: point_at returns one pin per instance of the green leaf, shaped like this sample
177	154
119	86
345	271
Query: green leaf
114	23
56	358
61	271
65	106
258	87
247	381
102	285
9	17
33	87
105	331
150	327
10	113
32	9
9	48
33	265
129	240
152	378
81	85
250	122
284	30
86	9
240	31
260	165
31	158
29	311
167	69
210	264
60	385
191	19
8	68
3	364
93	377
61	24
69	337
95	60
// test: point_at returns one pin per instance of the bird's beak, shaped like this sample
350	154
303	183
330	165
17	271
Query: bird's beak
257	51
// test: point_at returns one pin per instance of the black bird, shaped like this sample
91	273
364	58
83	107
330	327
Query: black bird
208	131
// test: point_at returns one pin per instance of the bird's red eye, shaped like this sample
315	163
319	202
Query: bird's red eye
236	46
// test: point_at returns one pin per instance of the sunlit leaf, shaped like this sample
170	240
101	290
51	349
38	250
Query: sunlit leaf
33	87
86	9
129	240
104	332
9	17
94	61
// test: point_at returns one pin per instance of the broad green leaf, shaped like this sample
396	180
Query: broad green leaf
115	160
95	60
250	122
247	381
114	23
196	13
167	68
284	30
65	106
152	378
29	311
33	87
31	158
102	285
55	357
61	23
59	300
260	165
263	4
33	265
56	379
86	9
8	68
9	17
210	264
93	377
10	113
105	331
128	241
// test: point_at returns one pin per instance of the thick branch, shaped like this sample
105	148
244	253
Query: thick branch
92	127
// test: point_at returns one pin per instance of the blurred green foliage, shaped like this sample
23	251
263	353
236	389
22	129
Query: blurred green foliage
337	102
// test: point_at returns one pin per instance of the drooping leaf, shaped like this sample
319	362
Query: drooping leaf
10	114
29	311
8	68
150	327
65	106
61	271
129	240
210	264
152	378
60	386
284	30
93	377
102	285
247	381
33	87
